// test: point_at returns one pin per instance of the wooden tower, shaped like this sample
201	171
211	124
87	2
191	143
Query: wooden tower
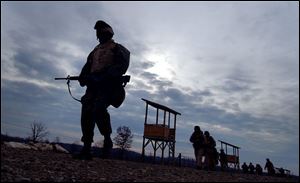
161	134
233	158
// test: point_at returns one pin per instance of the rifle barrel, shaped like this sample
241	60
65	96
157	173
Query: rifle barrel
68	78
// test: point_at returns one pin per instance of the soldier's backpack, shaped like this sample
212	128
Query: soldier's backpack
122	57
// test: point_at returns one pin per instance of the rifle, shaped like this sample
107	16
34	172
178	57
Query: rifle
68	78
124	80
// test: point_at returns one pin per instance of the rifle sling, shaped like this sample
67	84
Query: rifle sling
68	83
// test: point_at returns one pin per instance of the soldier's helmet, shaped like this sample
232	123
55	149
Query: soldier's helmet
103	27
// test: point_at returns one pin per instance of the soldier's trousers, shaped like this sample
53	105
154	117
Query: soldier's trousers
95	111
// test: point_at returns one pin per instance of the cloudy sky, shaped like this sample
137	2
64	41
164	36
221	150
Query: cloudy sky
230	67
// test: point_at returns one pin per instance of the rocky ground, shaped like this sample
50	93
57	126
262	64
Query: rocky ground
18	165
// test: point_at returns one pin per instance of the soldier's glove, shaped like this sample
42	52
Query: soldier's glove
90	80
82	81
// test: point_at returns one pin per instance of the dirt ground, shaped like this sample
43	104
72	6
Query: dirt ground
33	166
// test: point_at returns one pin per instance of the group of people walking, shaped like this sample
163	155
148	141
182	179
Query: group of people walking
205	149
251	169
258	169
207	156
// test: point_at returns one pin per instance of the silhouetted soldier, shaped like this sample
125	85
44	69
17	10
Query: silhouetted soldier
223	160
258	169
251	168
245	167
102	75
210	156
269	166
197	138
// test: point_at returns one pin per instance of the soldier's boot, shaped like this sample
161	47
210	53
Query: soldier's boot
107	146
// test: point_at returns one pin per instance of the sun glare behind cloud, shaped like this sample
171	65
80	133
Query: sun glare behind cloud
161	65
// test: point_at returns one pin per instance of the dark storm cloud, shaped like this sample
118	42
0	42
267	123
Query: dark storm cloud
32	63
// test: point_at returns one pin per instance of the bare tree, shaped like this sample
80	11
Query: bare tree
124	137
38	131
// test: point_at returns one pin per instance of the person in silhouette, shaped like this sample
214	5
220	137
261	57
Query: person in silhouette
270	167
102	75
223	160
197	138
210	151
251	168
245	167
258	169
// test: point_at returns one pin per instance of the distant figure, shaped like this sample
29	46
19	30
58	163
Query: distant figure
270	167
245	167
258	169
223	160
102	75
251	168
197	138
210	151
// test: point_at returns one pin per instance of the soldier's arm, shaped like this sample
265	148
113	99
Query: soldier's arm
122	56
83	77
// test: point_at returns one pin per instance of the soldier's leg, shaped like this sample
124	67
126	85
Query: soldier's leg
87	126
102	119
103	123
200	154
206	158
104	126
105	130
199	159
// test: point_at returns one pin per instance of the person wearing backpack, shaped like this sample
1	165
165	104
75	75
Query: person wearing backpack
102	75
